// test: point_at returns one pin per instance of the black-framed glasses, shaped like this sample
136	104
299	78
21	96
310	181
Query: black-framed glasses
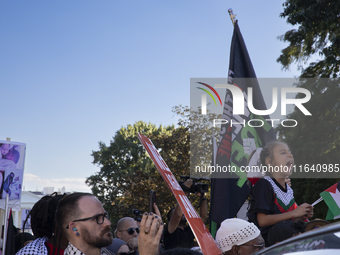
131	230
258	246
99	218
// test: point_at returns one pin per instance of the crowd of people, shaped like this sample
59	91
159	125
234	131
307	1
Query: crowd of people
78	224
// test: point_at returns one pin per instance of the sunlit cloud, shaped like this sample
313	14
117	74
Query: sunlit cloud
35	183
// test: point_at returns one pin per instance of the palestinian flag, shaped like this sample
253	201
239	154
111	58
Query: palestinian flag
332	198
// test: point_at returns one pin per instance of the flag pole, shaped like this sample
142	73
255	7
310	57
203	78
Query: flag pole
317	201
232	16
6	225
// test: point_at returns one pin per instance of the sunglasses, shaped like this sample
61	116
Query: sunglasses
99	218
131	230
258	246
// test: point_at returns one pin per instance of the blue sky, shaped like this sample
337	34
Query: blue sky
74	72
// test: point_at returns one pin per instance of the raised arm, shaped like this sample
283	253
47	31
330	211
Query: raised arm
177	214
204	209
151	229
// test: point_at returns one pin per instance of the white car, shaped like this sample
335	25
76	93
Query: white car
324	240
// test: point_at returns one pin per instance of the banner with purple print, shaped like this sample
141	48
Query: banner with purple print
12	161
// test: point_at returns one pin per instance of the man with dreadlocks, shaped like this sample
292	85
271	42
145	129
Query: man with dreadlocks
49	239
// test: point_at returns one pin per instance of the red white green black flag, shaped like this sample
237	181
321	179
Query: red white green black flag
332	198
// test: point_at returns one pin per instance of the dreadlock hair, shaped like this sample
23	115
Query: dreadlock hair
68	206
43	217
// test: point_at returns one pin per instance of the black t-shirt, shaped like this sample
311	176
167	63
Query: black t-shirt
179	238
269	197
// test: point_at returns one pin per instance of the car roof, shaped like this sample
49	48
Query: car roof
315	233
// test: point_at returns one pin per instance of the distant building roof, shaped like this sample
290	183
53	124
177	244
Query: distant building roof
36	193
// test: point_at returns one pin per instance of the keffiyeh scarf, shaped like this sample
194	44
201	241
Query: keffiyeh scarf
72	250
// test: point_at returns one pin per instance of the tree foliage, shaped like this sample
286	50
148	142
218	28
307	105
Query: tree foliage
316	138
127	174
201	131
318	33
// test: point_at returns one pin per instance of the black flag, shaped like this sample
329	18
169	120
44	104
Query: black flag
10	245
238	141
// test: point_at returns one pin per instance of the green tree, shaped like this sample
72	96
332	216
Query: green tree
317	33
124	168
127	174
316	138
201	131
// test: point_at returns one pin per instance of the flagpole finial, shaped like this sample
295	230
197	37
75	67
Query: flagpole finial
232	16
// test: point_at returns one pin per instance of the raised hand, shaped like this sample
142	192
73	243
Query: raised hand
151	229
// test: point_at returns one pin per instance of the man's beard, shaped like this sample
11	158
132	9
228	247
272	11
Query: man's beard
104	239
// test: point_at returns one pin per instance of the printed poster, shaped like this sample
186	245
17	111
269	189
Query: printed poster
12	160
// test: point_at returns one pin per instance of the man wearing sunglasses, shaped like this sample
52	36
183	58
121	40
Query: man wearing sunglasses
127	230
84	222
239	237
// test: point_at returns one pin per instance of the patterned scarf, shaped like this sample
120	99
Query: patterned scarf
284	200
72	250
35	247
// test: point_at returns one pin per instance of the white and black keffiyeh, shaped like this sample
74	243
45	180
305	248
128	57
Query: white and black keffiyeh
285	198
72	250
34	248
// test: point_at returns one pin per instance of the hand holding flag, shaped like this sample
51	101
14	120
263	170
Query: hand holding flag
331	196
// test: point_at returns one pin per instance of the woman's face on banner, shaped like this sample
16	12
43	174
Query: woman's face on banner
4	149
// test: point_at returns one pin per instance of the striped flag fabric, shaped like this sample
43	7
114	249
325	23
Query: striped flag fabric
331	196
